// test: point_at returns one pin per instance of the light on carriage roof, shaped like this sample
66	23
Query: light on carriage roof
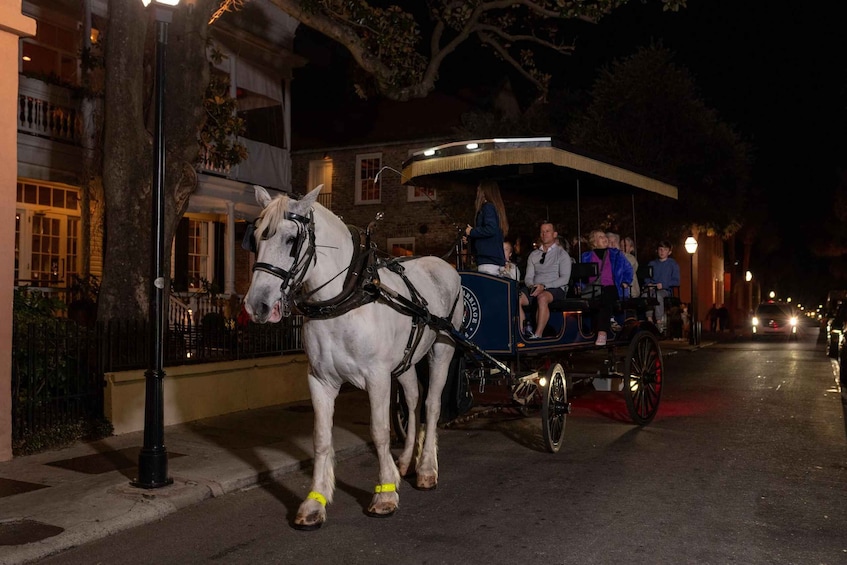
429	152
472	146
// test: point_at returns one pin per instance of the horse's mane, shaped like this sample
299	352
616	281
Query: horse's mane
272	216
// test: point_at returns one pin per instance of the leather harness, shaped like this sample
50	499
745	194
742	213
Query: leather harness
361	286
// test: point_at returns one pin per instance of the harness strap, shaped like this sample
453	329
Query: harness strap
417	331
355	292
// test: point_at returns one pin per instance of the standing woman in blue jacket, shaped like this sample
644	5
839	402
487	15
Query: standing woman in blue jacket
489	230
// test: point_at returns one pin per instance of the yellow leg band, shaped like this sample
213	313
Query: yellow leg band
317	496
390	487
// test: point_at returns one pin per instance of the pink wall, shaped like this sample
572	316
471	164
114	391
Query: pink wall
12	25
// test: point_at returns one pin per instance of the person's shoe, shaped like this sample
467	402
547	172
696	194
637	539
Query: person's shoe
533	336
616	327
601	339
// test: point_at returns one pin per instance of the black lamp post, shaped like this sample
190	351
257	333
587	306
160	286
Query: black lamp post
694	324
153	459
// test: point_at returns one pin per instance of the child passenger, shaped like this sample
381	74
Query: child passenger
510	270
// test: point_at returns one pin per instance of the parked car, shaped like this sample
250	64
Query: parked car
775	319
835	328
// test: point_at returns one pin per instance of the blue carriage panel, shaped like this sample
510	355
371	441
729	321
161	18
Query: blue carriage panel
490	305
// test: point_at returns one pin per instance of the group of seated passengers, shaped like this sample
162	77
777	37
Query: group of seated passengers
548	272
548	268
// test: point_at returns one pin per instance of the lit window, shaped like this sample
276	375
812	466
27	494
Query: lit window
198	253
52	53
367	187
401	246
421	194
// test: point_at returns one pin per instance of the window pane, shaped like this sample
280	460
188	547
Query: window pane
198	245
30	192
367	172
45	195
72	200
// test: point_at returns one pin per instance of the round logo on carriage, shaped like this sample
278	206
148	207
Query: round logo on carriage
470	320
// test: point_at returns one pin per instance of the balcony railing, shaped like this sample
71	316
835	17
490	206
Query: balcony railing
48	110
266	165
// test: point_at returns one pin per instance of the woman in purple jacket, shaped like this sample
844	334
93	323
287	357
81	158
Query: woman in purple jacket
615	272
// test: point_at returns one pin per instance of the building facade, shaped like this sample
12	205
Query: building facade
363	180
58	220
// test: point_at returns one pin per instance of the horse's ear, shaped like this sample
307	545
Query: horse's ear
262	196
303	205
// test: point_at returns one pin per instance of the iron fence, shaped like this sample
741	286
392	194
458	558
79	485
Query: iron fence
55	379
58	365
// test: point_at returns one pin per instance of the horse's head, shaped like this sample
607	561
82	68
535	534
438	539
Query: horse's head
283	240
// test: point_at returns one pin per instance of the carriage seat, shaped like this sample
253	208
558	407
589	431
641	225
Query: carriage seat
579	273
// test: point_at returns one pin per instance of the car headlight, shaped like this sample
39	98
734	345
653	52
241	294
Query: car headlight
755	321
793	320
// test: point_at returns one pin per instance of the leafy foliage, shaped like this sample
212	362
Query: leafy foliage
403	57
219	133
646	111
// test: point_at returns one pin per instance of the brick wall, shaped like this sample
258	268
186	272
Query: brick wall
433	232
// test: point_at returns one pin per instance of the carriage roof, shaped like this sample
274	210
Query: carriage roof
535	164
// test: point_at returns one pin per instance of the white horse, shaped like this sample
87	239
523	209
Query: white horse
304	255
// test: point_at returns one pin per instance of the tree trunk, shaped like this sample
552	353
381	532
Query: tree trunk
128	151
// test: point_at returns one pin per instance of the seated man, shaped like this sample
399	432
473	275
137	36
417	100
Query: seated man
548	270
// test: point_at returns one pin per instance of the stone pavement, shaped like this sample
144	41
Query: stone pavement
52	501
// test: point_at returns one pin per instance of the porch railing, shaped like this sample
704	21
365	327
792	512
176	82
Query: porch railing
48	110
266	165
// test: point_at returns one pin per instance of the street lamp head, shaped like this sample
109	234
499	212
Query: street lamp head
691	244
160	2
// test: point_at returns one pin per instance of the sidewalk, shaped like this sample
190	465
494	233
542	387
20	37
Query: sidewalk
52	501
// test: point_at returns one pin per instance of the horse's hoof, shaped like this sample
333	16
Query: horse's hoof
426	483
307	527
373	513
426	487
309	522
383	505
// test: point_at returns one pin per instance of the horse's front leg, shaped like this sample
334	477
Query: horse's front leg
385	499
312	512
409	382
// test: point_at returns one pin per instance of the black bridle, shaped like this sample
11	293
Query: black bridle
305	230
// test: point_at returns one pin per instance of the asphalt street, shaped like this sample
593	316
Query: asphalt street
746	462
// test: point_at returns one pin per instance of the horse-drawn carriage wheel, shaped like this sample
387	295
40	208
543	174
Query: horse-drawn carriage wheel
643	377
554	408
399	412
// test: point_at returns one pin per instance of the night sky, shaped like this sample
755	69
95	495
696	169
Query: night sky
775	70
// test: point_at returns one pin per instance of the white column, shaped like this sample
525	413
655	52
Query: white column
13	25
229	251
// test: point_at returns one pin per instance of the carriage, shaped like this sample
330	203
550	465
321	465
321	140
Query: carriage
371	322
540	374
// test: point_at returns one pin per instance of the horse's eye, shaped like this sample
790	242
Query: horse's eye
291	240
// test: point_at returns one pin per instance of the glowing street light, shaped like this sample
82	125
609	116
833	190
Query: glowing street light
694	325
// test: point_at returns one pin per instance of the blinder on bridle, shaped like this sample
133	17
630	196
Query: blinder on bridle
251	243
